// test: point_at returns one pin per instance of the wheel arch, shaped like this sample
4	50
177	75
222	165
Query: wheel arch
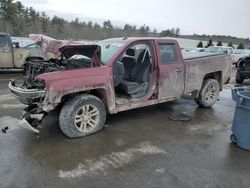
214	75
28	58
99	93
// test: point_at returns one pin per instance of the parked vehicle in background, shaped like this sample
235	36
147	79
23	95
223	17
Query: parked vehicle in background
12	56
243	69
220	50
238	54
33	45
193	49
116	75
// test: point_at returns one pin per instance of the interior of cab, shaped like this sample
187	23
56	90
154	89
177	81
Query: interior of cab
132	73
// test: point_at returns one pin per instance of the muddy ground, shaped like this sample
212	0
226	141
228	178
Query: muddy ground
138	148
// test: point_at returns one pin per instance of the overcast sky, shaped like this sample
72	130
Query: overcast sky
223	17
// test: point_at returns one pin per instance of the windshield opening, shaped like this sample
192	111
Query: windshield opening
109	49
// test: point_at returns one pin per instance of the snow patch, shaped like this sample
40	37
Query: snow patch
12	106
160	170
113	160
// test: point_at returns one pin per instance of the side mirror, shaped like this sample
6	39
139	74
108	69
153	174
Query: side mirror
16	45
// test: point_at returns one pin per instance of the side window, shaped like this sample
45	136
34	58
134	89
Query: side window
168	53
2	41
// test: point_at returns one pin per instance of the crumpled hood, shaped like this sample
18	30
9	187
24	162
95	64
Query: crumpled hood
86	50
68	48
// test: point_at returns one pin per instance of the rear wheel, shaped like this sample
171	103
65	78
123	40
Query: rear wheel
82	115
239	79
209	93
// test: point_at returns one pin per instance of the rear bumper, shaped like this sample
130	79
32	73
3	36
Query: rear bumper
26	96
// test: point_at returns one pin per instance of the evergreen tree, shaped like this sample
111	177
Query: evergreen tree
200	44
219	43
230	44
241	46
210	43
7	13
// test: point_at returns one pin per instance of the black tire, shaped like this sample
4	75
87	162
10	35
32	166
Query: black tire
233	139
70	111
206	97
239	79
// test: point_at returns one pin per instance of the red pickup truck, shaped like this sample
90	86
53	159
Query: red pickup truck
90	81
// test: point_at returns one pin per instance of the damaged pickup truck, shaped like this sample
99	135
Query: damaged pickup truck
90	81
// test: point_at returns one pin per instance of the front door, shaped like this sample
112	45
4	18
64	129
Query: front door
6	56
171	72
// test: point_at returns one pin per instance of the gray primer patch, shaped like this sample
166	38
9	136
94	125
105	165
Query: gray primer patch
113	160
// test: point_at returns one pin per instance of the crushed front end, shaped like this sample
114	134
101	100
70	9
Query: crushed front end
33	114
34	90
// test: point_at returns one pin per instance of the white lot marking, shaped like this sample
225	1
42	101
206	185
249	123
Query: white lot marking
6	97
213	127
12	106
160	170
9	121
113	160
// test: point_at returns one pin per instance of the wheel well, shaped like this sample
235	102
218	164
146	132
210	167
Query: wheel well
100	93
33	58
214	75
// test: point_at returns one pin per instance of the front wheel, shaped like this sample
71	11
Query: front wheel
209	93
83	115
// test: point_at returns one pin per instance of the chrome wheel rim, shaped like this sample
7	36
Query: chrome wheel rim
87	118
211	93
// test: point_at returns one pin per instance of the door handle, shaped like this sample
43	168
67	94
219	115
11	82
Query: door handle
178	69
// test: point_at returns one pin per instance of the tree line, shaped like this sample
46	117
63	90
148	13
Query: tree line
219	43
19	20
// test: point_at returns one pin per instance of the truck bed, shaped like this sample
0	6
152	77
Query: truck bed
195	55
198	66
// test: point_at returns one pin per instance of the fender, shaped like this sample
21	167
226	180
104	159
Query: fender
61	83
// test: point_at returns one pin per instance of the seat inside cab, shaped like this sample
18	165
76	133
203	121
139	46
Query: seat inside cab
133	83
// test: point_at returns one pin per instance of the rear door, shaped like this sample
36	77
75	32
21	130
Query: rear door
6	56
171	70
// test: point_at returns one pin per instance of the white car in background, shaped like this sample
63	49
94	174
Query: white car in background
240	54
221	50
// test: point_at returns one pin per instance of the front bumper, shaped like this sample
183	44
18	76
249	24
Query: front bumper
27	96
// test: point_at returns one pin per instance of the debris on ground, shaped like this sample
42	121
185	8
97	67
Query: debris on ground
181	117
4	130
